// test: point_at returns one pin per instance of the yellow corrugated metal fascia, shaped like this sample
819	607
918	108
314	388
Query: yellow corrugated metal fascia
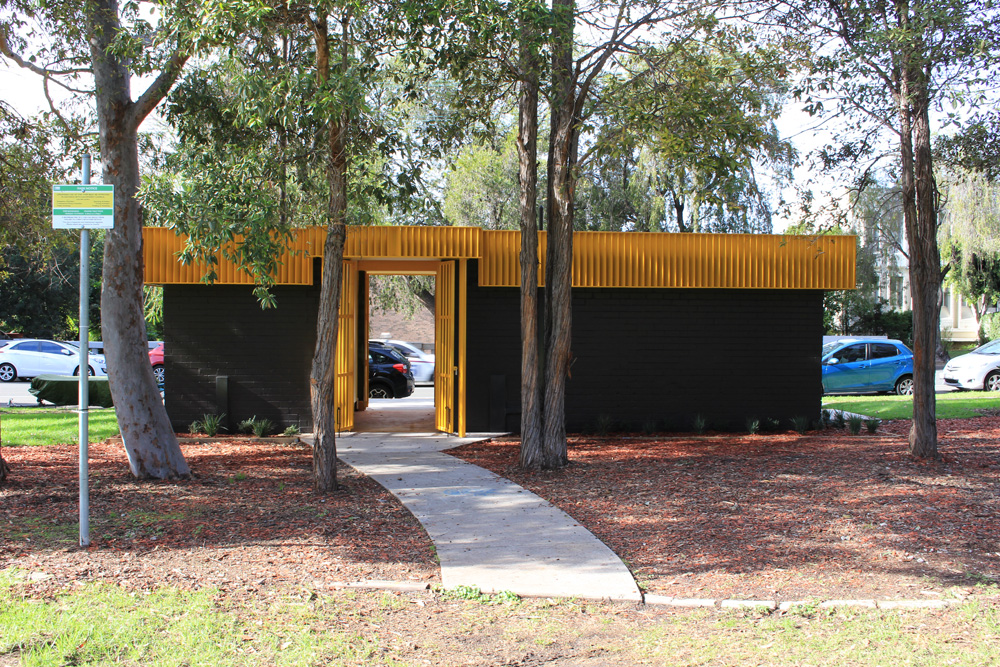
642	260
412	242
161	247
600	259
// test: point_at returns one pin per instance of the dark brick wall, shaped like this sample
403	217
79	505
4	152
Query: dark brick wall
658	356
213	331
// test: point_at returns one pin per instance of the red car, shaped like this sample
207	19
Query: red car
156	359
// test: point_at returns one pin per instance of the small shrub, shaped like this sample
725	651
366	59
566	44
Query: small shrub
292	430
263	427
838	419
260	427
872	424
605	424
753	426
700	424
854	423
800	424
825	417
773	424
209	424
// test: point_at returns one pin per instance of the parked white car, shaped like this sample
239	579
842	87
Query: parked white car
30	357
421	363
979	369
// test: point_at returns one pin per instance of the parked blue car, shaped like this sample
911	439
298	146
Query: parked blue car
866	365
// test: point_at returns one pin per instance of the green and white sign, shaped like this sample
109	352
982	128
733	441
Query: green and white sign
83	206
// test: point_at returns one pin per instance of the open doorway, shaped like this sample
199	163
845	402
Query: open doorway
396	347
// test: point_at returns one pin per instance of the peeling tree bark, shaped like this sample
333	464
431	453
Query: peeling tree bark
323	375
559	257
151	445
527	151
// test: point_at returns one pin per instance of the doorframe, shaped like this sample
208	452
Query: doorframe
353	299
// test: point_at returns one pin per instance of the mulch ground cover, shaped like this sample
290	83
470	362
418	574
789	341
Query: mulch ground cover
785	516
249	519
826	515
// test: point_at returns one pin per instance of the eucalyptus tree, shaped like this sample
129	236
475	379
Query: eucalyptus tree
94	49
888	65
685	138
288	128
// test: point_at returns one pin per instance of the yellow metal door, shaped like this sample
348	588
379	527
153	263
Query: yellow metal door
346	336
444	348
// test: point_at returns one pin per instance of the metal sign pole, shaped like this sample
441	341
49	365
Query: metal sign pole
84	373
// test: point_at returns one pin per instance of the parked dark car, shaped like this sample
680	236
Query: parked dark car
389	373
865	365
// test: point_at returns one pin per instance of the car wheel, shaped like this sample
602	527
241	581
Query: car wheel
90	371
379	391
158	373
7	373
992	382
904	386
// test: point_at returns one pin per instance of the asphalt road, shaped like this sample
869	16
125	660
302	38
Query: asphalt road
16	394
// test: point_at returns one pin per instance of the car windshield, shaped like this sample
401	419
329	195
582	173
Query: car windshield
831	346
992	347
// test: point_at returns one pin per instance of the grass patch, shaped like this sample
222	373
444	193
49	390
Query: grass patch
166	626
48	426
953	405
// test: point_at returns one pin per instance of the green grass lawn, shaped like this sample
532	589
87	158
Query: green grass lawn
54	426
953	405
105	625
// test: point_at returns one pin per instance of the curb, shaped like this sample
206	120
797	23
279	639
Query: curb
691	603
773	605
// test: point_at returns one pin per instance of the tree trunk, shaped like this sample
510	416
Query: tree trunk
925	263
559	258
150	442
527	152
919	216
322	379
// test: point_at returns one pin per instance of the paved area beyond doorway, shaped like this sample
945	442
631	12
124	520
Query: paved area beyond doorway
489	533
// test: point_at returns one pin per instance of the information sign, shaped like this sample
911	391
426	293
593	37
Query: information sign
83	206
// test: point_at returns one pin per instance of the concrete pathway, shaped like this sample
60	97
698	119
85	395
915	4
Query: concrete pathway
489	533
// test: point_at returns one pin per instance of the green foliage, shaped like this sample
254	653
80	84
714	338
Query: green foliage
291	430
681	138
259	426
849	313
208	424
481	186
753	425
474	594
989	327
872	424
700	424
854	423
800	424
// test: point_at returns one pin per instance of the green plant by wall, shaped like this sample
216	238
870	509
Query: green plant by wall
700	424
260	427
753	426
800	424
208	424
854	423
872	424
